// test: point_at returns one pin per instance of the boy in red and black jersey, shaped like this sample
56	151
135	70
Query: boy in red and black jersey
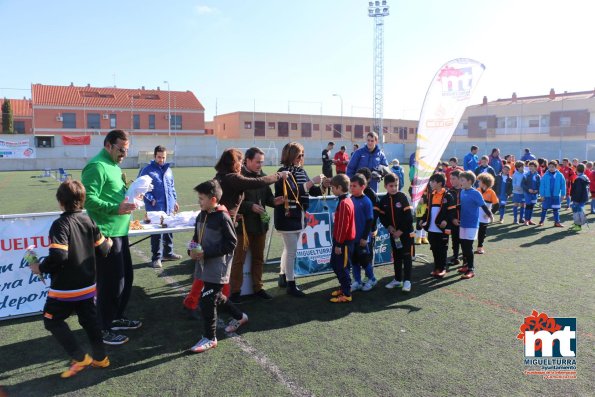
438	222
569	175
343	238
396	215
74	241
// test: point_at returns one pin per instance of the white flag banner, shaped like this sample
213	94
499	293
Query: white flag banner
443	107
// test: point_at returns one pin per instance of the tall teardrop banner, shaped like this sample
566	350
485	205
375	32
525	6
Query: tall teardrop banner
443	107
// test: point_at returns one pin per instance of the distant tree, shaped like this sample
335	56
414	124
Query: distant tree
7	118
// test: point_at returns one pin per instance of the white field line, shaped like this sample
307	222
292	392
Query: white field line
260	358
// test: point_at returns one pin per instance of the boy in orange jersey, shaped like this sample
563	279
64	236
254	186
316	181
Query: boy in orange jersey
343	238
438	222
75	240
486	181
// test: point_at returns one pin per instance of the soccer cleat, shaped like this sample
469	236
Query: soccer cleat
369	285
234	324
203	345
394	283
425	240
407	286
558	224
111	338
156	264
101	364
337	292
124	323
341	299
77	366
172	257
468	275
463	269
356	286
575	228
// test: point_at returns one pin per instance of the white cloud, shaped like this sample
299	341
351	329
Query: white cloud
202	9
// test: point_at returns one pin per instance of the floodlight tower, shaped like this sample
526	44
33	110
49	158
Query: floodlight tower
378	10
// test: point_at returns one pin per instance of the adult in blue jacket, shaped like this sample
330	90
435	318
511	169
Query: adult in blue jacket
163	197
471	161
496	161
528	156
398	171
369	156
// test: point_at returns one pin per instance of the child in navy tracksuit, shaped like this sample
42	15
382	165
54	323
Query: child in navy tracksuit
531	183
518	193
396	215
343	238
364	218
579	195
503	188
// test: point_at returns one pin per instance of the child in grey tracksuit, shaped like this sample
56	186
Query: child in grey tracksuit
215	240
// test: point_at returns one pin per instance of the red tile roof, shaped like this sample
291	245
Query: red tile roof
21	107
113	97
541	98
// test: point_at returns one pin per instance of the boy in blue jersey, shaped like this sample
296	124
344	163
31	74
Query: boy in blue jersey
503	188
531	183
518	193
552	188
364	219
471	202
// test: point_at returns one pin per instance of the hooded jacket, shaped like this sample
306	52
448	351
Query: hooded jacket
164	192
214	231
363	158
555	181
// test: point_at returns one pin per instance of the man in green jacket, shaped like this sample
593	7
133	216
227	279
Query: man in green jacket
107	206
252	225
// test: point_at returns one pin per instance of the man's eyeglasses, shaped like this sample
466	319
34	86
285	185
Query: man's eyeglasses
120	149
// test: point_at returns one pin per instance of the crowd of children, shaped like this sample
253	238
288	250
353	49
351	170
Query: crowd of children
458	206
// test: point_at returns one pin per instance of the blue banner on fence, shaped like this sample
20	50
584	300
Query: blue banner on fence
315	244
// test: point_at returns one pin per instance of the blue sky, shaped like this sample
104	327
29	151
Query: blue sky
269	54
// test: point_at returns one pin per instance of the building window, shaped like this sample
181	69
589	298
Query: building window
93	121
483	124
367	129
348	128
545	121
19	127
282	129
358	131
247	125
533	122
396	130
151	121
112	121
271	125
294	126
176	122
259	128
44	141
328	127
500	122
337	130
511	122
306	130
403	133
411	131
68	120
565	121
136	121
316	127
465	125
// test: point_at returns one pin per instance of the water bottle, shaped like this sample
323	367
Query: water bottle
398	243
196	248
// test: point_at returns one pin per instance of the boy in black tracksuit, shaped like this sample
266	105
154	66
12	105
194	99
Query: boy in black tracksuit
214	241
371	194
74	241
437	221
396	216
455	192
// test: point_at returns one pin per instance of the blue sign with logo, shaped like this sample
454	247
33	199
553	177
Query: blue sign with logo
316	241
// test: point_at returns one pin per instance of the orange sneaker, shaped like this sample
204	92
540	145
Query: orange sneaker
441	273
463	269
337	293
468	275
101	364
341	299
77	366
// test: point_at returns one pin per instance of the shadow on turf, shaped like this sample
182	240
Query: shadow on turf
147	347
